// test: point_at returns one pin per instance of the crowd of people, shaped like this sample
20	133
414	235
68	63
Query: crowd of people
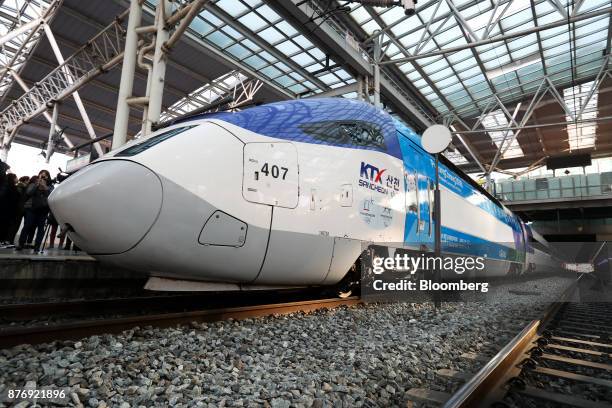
23	203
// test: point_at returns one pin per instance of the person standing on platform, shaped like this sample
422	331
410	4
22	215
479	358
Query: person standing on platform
30	236
36	210
6	205
21	198
52	234
7	225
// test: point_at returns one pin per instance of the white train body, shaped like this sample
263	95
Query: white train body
284	194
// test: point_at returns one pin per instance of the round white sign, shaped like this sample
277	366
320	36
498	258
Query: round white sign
436	138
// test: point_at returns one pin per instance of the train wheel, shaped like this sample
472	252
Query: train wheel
344	295
514	270
350	284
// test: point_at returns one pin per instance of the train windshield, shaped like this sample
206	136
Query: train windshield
152	141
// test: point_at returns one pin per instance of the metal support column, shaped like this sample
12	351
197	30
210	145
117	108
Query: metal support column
4	153
149	68
377	59
6	140
159	65
52	130
127	75
4	145
438	230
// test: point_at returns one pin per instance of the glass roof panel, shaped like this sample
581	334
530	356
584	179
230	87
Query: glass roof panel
256	62
329	78
286	28
238	51
271	35
253	22
252	3
232	7
581	136
303	59
393	14
360	15
219	39
314	67
303	41
211	18
268	13
288	48
517	19
251	45
232	32
460	56
201	26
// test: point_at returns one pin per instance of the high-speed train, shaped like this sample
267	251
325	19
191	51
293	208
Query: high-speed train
285	194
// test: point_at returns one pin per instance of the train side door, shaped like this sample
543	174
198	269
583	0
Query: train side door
417	202
425	192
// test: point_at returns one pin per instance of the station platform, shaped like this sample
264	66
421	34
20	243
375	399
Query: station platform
58	273
47	255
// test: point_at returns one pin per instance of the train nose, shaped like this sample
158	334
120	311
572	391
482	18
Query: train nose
109	205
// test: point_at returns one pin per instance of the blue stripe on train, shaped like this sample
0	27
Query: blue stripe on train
457	242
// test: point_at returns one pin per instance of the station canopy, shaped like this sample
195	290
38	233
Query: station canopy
516	80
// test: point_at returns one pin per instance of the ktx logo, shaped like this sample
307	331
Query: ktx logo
372	173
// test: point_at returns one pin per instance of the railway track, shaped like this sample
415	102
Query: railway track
76	329
562	359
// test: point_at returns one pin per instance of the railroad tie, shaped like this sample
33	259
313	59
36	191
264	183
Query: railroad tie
562	399
578	350
573	376
581	341
577	361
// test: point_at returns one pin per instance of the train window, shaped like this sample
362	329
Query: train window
430	197
412	198
351	133
418	202
541	184
152	141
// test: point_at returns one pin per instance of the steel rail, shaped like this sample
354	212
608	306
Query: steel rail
76	330
486	386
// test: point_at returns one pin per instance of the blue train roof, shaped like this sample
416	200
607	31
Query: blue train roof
328	121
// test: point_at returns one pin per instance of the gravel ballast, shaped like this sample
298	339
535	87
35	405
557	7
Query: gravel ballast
368	355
